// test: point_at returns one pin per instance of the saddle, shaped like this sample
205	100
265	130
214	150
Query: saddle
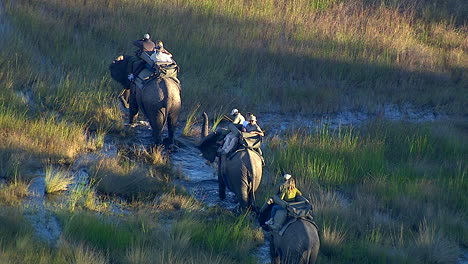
246	141
146	70
292	220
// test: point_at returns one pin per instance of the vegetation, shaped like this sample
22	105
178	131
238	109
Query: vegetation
388	192
379	193
57	180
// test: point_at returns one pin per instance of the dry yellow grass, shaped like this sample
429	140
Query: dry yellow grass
13	193
57	180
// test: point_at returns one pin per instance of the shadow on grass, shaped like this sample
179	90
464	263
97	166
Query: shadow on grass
256	73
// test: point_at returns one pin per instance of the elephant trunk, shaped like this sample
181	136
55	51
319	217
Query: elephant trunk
205	125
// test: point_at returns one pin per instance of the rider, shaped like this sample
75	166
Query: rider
231	139
144	44
288	194
135	65
161	55
252	126
238	118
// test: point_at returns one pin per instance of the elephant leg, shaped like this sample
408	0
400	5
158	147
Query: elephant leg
157	122
275	258
221	185
133	106
124	98
244	192
171	126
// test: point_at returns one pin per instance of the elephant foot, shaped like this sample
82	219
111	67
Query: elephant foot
172	147
131	124
168	142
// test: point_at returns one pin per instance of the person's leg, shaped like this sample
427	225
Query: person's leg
227	142
272	214
231	144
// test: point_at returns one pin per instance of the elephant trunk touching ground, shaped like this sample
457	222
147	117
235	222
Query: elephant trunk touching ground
158	98
242	171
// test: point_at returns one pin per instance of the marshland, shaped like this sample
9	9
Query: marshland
363	102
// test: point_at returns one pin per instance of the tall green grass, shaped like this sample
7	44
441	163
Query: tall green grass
234	237
387	192
245	52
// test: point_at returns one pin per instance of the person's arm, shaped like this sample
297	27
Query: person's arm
260	131
282	195
257	131
298	192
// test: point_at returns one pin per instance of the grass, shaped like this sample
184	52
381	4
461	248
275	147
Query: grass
374	51
83	196
381	191
221	233
13	192
191	121
57	180
326	56
129	179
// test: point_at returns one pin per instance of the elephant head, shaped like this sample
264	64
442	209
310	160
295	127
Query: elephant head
242	171
118	71
298	243
159	98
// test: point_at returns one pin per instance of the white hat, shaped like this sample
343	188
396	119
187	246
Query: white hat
234	111
147	36
287	176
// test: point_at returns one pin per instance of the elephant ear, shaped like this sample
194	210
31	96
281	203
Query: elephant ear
118	70
208	147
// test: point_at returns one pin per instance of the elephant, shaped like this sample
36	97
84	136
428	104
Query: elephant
242	171
159	98
298	243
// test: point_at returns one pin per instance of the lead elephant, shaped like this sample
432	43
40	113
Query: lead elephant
158	98
242	173
297	243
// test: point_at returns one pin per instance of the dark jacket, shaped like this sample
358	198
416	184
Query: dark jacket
144	44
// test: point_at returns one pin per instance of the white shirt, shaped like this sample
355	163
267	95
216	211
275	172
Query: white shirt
159	56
